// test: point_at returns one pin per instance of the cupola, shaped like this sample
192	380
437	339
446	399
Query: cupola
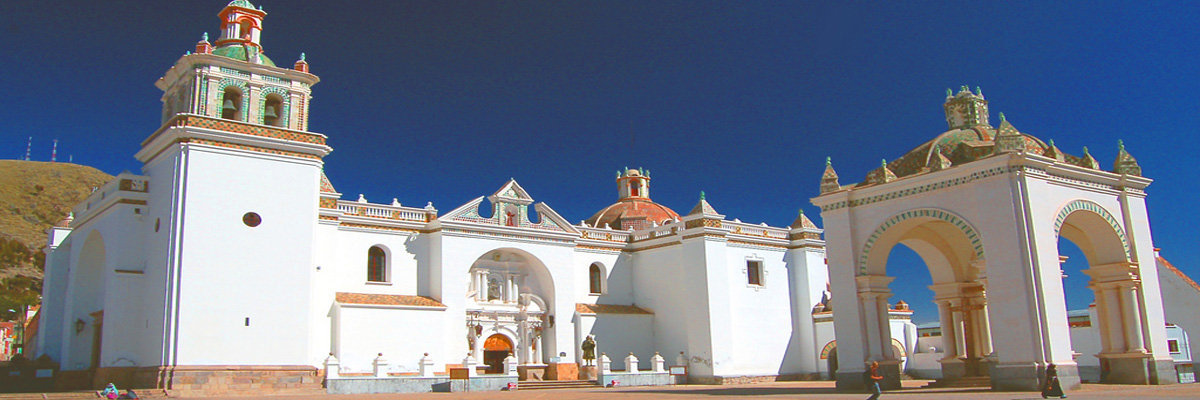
633	209
633	183
966	109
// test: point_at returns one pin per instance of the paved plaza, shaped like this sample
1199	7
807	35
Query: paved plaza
791	390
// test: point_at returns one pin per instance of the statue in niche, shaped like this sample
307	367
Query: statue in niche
493	288
589	350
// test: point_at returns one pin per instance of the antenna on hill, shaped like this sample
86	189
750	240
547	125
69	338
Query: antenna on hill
71	158
54	151
28	146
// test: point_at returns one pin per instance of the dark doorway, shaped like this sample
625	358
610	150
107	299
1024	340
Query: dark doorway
833	364
495	349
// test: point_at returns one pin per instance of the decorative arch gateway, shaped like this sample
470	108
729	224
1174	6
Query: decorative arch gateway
1084	205
939	214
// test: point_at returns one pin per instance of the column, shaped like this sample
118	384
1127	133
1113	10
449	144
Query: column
1113	315
885	345
985	330
1106	341
959	344
949	333
867	302
1133	318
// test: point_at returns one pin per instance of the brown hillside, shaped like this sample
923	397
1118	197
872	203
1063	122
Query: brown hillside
33	196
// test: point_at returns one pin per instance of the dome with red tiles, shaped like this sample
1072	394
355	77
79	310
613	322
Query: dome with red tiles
634	209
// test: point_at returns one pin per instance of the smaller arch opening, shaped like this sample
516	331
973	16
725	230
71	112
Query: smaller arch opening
231	105
273	110
376	265
596	279
244	29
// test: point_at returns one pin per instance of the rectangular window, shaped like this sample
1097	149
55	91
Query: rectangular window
754	272
1173	346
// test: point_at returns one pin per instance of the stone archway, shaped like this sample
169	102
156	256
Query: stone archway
495	349
511	294
1115	285
953	253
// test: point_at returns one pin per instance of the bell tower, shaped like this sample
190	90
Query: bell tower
233	184
233	79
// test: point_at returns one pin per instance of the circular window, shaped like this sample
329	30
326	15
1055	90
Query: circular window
251	219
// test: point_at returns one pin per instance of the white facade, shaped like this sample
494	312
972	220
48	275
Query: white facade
232	251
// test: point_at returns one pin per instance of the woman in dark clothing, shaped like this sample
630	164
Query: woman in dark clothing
1051	387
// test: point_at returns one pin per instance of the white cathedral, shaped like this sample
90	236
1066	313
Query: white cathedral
233	255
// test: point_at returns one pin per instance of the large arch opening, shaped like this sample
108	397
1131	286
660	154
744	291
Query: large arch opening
949	249
1115	313
86	306
511	293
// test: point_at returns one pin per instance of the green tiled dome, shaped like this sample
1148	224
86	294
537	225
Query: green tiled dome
237	52
241	3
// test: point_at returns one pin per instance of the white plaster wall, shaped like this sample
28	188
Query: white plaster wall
807	279
229	272
1182	301
669	299
52	314
402	335
618	284
824	334
619	334
761	323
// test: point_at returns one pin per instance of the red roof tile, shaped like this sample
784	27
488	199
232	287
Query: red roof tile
387	300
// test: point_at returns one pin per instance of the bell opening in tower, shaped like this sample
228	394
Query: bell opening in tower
231	107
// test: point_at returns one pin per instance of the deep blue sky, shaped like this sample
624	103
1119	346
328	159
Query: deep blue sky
443	101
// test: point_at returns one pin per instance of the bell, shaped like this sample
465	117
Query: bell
228	105
271	112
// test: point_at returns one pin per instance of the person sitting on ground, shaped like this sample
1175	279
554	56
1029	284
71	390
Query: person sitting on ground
109	392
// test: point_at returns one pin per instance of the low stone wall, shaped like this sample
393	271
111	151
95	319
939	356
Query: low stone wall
416	384
738	380
636	378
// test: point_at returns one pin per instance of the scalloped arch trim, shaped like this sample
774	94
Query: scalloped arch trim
1084	205
827	349
942	215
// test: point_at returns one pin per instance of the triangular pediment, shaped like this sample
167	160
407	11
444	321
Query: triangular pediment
511	192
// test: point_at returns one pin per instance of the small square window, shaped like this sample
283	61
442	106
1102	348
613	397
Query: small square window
754	272
1173	346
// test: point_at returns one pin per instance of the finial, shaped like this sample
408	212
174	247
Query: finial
641	171
618	174
801	212
979	91
646	174
1085	151
965	89
187	53
828	161
883	162
204	38
1002	119
949	93
1051	142
1121	144
701	195
301	56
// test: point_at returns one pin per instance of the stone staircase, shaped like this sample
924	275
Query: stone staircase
80	394
964	382
541	385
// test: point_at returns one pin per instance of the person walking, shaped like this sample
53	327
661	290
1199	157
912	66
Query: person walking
875	379
1051	387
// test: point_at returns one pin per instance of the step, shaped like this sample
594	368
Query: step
972	381
537	385
80	394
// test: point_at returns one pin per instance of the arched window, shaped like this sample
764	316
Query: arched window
273	110
595	279
376	265
635	189
244	29
231	106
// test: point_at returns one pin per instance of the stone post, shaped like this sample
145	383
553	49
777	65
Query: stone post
681	361
510	365
381	365
658	363
631	363
426	366
605	364
332	367
469	363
